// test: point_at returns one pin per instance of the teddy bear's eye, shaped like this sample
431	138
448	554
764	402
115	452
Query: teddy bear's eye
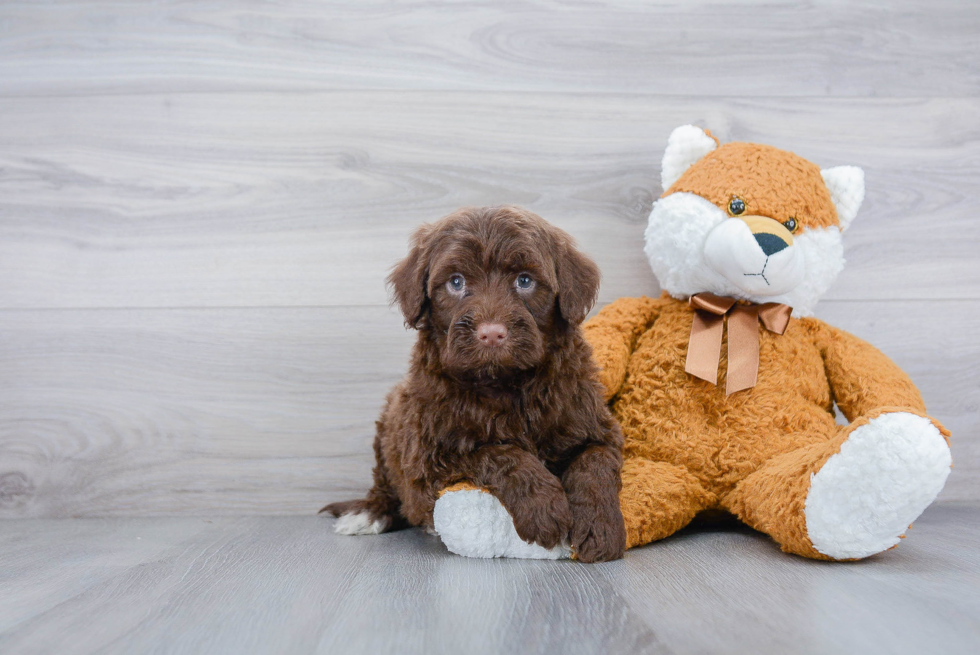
790	225
736	206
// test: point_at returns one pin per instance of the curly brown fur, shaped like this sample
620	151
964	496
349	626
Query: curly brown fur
524	419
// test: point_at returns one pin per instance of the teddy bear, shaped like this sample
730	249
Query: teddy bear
725	385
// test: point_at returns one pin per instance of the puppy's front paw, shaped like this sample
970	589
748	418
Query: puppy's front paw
543	518
598	534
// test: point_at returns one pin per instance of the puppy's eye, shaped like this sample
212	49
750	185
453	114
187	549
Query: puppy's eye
524	281
791	225
736	206
456	284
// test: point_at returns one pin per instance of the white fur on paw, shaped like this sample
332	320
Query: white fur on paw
358	523
867	495
473	523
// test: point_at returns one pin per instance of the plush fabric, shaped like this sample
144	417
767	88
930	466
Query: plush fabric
773	454
686	235
690	447
472	522
771	182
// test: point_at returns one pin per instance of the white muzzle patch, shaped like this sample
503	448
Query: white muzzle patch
694	246
755	267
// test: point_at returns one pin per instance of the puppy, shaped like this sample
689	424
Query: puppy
501	391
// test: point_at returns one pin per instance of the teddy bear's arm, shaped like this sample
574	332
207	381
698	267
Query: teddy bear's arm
613	332
863	379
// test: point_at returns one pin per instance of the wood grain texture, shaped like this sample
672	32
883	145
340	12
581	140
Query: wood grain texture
199	202
271	410
130	412
288	584
747	596
728	49
308	199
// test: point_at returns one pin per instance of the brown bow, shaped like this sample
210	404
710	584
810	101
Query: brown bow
704	346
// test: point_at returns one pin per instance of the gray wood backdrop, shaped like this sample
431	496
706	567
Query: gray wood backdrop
199	202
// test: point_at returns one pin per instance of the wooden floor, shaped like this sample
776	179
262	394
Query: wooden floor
289	585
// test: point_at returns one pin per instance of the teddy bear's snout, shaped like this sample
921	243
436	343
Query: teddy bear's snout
770	243
771	235
755	254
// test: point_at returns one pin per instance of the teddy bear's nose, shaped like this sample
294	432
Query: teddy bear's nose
770	243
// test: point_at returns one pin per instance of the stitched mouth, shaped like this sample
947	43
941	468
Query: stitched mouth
761	273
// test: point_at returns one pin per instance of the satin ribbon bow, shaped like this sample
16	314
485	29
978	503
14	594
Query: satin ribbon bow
704	345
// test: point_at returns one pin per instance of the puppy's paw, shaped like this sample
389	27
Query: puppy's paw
357	517
598	534
544	518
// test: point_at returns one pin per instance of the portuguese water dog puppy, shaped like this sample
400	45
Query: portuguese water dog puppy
501	390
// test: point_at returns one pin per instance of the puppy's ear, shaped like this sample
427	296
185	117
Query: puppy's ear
409	278
578	281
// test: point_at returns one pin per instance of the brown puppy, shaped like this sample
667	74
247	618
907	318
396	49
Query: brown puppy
501	391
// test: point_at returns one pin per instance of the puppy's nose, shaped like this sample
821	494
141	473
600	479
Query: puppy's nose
491	334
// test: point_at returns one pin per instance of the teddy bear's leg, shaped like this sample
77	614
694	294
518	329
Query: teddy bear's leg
852	496
473	523
659	499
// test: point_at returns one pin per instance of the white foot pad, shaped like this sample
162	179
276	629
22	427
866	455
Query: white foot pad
473	523
865	497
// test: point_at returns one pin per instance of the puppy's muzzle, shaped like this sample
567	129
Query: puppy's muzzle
491	334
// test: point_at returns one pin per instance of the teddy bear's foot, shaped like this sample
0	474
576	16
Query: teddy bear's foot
473	523
866	496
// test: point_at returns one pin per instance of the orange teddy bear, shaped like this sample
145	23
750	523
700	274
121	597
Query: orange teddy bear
725	385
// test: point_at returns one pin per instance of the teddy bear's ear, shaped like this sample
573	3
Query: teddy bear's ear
846	186
686	145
